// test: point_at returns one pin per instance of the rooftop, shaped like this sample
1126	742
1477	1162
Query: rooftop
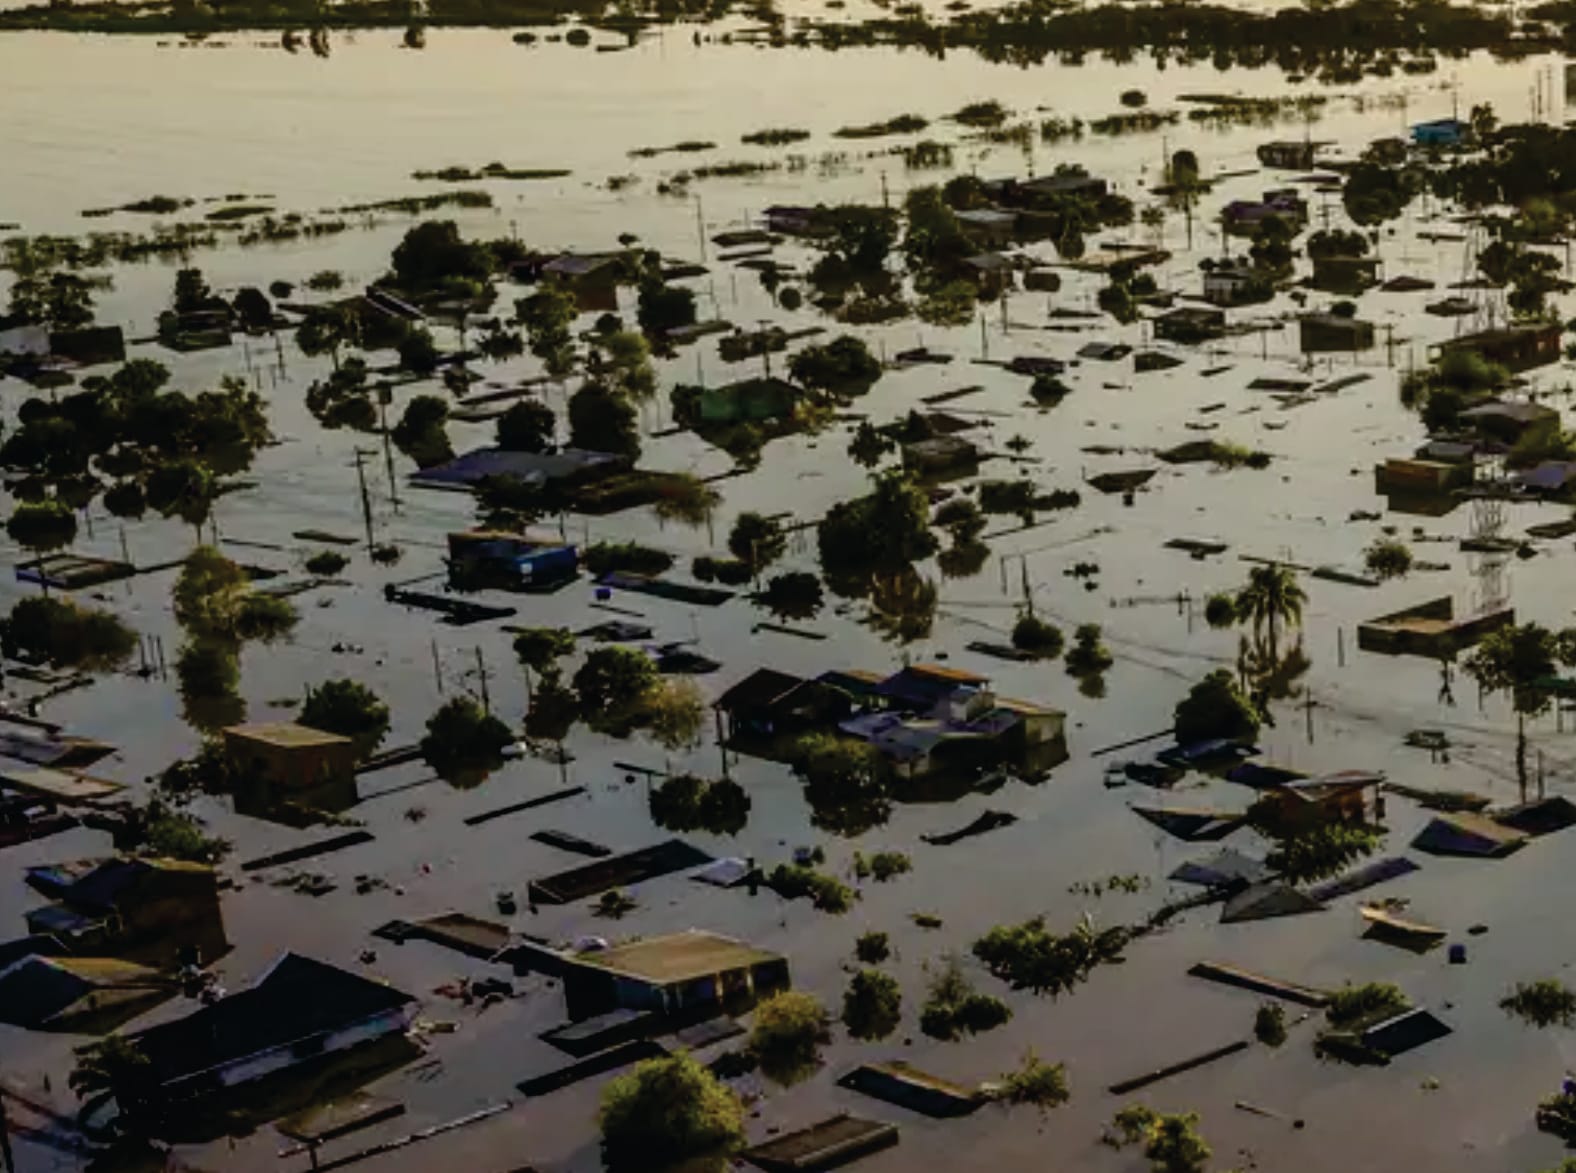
285	735
680	957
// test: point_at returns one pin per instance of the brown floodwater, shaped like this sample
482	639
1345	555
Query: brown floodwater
94	121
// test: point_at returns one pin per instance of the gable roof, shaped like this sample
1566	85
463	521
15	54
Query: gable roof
757	690
1262	901
1467	834
295	999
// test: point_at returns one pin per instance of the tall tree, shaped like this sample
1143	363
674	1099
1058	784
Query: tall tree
1272	600
1521	661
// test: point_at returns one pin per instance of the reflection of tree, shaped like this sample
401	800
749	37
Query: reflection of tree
903	605
845	784
1267	677
963	559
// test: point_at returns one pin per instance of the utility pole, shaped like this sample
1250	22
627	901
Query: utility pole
5	1138
481	671
1307	708
366	499
437	668
700	228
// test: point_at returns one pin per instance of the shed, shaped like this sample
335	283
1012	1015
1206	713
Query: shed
940	454
280	764
1403	1032
989	225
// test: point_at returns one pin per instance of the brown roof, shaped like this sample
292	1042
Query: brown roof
937	672
285	734
680	957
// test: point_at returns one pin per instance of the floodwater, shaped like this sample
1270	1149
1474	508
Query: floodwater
92	122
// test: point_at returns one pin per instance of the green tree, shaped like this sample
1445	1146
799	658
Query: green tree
675	715
845	783
1521	661
1215	707
183	488
1272	600
41	526
613	685
418	353
191	291
115	1066
622	361
462	738
547	316
664	307
788	1032
528	426
872	1005
554	708
885	531
324	331
843	366
757	541
539	648
67	636
421	432
350	709
667	1111
602	420
433	253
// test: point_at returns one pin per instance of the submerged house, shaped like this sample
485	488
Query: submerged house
1288	155
1190	324
280	766
1516	348
1429	629
768	703
1235	281
509	561
300	1010
672	975
1509	420
1441	132
989	226
1321	333
1246	217
158	911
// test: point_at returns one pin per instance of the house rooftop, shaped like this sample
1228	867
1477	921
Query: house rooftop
296	999
758	689
285	735
680	957
98	884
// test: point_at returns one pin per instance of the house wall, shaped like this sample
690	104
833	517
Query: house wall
279	1058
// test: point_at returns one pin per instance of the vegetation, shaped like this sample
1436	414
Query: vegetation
795	595
326	563
1171	1141
462	739
349	709
872	1005
1088	656
115	1066
1546	1002
788	1031
666	1111
1388	558
1352	1005
538	649
1035	1082
883	865
843	366
1271	602
528	426
421	432
827	893
614	684
603	420
1319	852
872	948
65	635
954	1008
214	599
757	541
1034	635
1028	956
1220	610
606	557
1269	1024
1215	707
845	783
1520	661
160	831
686	802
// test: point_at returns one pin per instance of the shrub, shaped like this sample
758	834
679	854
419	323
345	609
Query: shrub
1171	1142
1035	1082
604	557
887	865
789	1029
1388	558
1088	655
872	948
1029	957
1354	1004
792	881
1215	707
872	1005
667	1111
66	635
953	1007
1034	635
349	709
460	736
1269	1024
688	803
326	563
1220	610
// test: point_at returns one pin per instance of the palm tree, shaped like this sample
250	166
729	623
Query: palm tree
115	1067
1271	600
1521	660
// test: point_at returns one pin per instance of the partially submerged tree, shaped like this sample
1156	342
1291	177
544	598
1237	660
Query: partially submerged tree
1521	661
1215	707
872	1005
462	739
350	709
757	540
614	684
789	1030
1272	601
65	635
667	1111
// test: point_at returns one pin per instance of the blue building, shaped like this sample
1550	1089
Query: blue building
508	561
1442	132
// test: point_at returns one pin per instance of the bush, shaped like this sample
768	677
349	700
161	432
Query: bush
1354	1004
1171	1142
728	571
326	563
1220	611
1215	707
65	635
461	737
1029	957
1034	635
604	557
1088	655
795	595
953	1008
688	803
349	709
612	684
792	881
887	865
1388	558
872	1005
666	1111
1542	1003
1035	1082
843	366
789	1029
1269	1024
872	948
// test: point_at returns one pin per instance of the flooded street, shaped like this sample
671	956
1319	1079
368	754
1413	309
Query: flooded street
95	122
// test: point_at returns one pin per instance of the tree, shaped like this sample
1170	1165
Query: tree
603	421
685	802
667	1111
547	316
795	595
343	399
66	636
685	498
885	531
324	331
41	526
553	709
1034	635
622	360
461	737
676	714
418	353
539	648
433	252
872	1005
61	301
869	445
253	308
845	783
1521	660
213	599
420	433
528	426
1271	600
788	1031
191	291
1388	558
757	541
349	709
1171	1142
613	684
664	307
1215	708
1088	655
843	366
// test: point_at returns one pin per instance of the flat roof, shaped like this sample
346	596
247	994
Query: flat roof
65	785
680	957
285	734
